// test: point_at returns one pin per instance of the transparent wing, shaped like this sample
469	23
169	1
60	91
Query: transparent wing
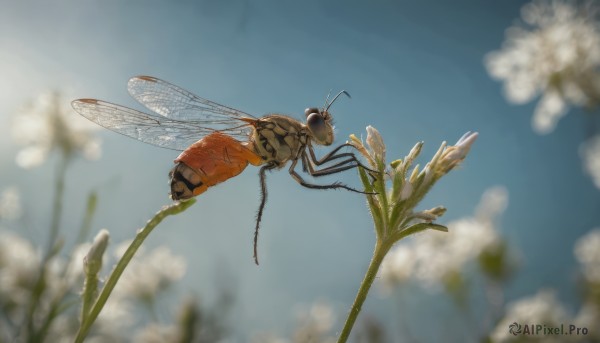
153	129
174	102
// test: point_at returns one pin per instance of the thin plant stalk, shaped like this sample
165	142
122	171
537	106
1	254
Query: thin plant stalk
57	205
378	255
86	224
382	247
89	318
38	288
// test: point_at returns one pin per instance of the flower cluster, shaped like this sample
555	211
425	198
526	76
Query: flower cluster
149	273
313	324
394	213
543	309
434	259
587	252
555	52
19	265
10	203
49	123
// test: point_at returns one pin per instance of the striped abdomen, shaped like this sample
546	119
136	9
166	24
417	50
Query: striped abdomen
210	161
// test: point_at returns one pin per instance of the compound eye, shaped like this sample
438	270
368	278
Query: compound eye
310	111
315	122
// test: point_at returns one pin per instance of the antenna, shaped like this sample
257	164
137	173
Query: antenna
332	101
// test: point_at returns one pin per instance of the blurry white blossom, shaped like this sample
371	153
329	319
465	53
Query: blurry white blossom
63	329
49	123
116	316
157	333
149	272
590	154
587	252
540	309
554	52
589	317
268	337
494	202
398	266
440	256
313	324
10	203
319	316
74	269
432	258
145	276
19	269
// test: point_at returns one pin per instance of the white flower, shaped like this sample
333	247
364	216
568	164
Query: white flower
314	323
589	317
10	203
542	308
74	268
376	144
116	316
157	333
452	156
493	203
268	337
149	272
554	52
548	111
322	314
431	258
398	265
19	268
590	154
441	255
587	252
406	191
50	123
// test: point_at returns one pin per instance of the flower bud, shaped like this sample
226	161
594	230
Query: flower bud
92	262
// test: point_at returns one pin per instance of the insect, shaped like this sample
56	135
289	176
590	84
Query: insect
218	142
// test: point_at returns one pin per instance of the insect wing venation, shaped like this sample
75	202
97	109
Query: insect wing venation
182	118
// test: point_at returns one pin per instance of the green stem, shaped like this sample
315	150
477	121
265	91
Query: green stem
86	224
373	205
58	204
124	261
39	286
381	249
90	289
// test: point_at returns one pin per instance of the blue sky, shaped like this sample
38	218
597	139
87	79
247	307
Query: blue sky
415	71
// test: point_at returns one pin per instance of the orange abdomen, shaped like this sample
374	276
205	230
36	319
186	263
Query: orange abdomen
211	160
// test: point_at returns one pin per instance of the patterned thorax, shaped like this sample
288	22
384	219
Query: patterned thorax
279	138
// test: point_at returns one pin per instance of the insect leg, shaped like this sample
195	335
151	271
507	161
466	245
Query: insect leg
308	167
328	156
336	168
333	156
263	202
301	181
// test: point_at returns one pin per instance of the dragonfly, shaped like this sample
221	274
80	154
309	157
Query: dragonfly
218	142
